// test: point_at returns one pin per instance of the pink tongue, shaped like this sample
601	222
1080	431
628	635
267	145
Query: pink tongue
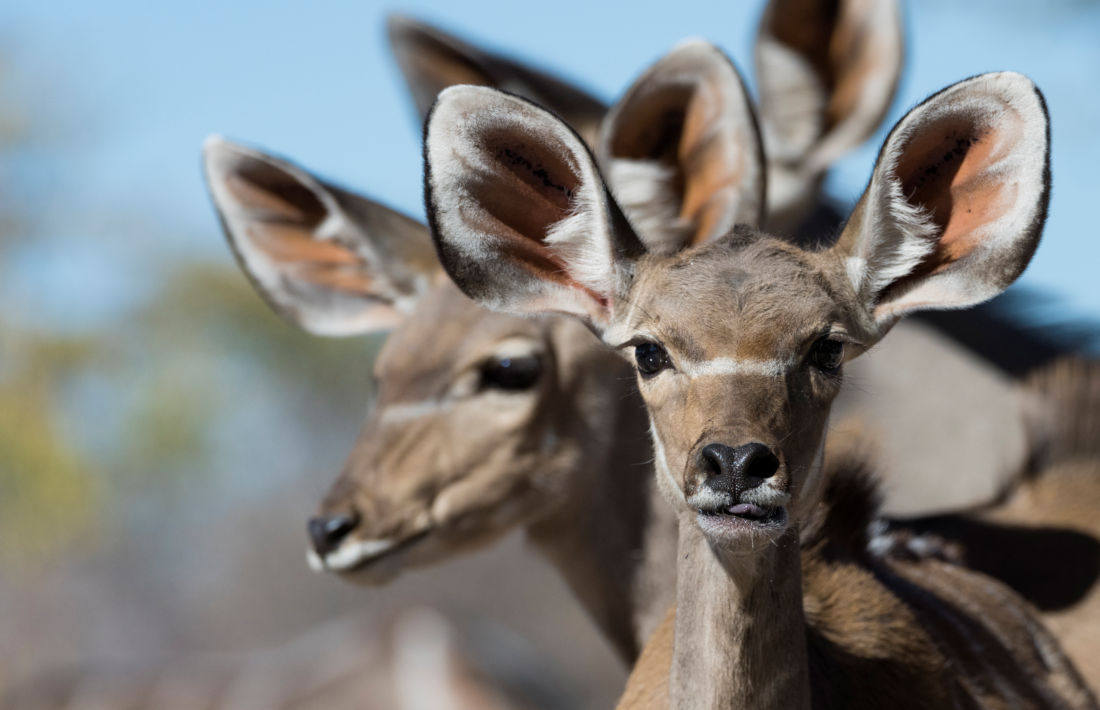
747	510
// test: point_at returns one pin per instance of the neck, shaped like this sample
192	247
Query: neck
740	632
613	537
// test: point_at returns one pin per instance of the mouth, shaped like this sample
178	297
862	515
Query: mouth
741	518
357	555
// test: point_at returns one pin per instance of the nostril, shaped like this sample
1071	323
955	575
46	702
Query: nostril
712	460
328	531
755	461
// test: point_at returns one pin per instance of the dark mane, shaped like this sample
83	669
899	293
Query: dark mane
844	520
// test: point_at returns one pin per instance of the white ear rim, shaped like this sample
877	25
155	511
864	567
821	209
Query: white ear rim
584	239
902	234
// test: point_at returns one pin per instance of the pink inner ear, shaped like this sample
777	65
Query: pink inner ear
949	170
852	58
333	277
267	189
831	41
296	253
713	176
681	125
291	243
531	190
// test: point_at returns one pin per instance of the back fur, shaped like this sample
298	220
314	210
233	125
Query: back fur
1064	419
887	613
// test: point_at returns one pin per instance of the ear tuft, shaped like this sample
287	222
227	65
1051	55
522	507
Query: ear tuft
519	211
329	261
683	151
957	201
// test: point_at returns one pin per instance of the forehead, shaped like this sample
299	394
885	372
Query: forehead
447	332
753	297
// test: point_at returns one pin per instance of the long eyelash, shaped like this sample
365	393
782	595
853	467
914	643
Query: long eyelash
636	341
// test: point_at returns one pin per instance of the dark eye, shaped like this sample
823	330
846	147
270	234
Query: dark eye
511	373
827	354
651	358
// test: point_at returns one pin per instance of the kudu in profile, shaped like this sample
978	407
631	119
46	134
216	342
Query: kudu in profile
739	345
484	422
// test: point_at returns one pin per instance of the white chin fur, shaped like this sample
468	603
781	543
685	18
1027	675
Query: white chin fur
347	556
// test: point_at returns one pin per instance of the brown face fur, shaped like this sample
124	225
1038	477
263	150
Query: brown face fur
448	459
744	372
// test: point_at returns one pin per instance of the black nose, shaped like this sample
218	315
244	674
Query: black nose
736	470
328	531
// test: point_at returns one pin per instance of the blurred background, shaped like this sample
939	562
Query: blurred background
163	436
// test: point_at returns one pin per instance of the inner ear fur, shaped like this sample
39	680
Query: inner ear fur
957	201
329	261
827	71
431	60
683	152
520	214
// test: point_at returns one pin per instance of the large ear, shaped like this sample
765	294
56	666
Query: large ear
827	71
329	261
432	60
682	151
956	203
518	209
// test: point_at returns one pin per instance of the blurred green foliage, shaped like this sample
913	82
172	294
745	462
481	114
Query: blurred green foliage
164	381
47	493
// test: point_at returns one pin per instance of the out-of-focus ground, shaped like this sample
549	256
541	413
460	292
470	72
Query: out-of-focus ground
163	438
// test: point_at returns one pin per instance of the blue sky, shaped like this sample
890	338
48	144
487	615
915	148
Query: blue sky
131	89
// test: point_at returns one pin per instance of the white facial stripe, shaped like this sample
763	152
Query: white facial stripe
408	411
729	366
662	461
315	562
350	554
516	347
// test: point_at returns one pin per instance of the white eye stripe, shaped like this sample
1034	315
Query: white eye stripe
408	411
517	347
730	366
